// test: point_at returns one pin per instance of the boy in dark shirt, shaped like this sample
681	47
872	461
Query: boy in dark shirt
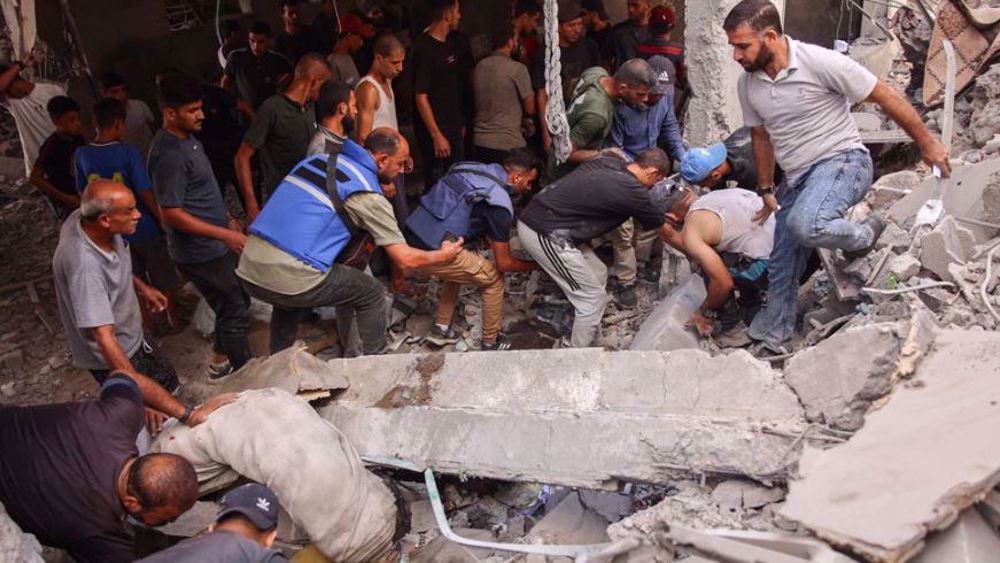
52	173
107	157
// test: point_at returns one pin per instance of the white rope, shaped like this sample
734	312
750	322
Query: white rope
555	109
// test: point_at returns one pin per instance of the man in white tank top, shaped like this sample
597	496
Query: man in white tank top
376	101
377	107
720	236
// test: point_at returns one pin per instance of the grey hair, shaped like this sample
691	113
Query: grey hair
636	72
91	208
383	141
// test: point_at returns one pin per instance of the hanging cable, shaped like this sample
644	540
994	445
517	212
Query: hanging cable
555	109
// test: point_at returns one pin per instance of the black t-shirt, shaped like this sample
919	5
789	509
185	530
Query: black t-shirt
256	78
55	157
441	70
574	59
222	546
59	467
625	39
221	133
294	46
485	221
591	201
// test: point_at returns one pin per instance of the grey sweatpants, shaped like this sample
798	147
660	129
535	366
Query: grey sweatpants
579	273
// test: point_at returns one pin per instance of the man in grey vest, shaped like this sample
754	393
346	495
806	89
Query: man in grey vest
473	201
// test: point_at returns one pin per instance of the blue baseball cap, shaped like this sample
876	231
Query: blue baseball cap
698	163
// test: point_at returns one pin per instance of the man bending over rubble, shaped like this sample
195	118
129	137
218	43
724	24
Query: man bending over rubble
558	225
796	97
473	200
296	251
70	473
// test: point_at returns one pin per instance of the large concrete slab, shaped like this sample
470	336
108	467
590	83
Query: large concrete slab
571	417
962	198
931	452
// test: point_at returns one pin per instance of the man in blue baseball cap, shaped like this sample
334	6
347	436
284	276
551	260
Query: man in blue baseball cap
243	532
729	162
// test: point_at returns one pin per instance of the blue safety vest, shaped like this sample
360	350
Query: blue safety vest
299	217
447	208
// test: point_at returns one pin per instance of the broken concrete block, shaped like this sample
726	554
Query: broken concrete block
904	180
894	238
533	415
837	388
904	267
738	495
948	243
963	198
664	329
928	454
441	549
969	540
570	523
15	545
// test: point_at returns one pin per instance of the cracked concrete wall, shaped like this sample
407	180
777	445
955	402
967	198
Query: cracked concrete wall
714	111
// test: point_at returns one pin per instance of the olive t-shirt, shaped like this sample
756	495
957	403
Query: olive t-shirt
590	117
59	467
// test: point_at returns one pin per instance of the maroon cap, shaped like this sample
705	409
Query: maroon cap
350	23
661	19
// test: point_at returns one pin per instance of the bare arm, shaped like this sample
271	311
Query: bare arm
368	103
671	236
408	257
43	185
528	105
111	350
720	281
442	148
506	262
542	99
579	156
935	153
763	156
8	76
181	220
244	177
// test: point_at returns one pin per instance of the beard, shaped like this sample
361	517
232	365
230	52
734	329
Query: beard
764	58
384	178
348	123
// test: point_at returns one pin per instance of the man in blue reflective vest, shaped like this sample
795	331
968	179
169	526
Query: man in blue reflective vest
473	201
300	249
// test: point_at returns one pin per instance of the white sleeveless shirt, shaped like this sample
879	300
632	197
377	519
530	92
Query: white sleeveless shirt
385	115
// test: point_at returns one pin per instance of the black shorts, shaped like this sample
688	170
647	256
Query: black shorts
149	361
151	262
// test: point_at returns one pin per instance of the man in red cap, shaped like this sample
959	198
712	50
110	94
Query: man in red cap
353	34
661	27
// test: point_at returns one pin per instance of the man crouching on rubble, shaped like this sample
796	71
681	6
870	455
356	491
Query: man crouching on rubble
796	98
719	235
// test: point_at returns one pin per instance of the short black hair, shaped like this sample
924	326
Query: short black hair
107	112
331	94
521	159
178	89
636	72
386	44
111	80
437	8
383	141
529	7
501	35
59	106
655	158
282	4
260	28
163	480
760	15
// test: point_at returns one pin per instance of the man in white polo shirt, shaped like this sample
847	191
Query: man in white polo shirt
796	98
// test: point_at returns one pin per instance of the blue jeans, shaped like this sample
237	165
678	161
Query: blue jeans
811	216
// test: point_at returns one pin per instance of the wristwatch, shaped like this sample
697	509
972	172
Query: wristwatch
709	314
188	409
765	190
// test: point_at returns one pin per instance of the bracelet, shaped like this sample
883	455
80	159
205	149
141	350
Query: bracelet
765	190
187	414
